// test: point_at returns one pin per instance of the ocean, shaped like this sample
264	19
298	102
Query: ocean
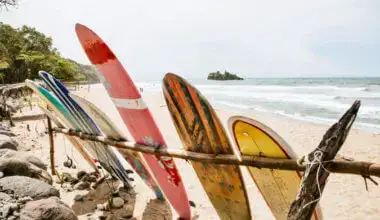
319	100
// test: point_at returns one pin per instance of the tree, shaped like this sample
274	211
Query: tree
6	3
225	76
25	51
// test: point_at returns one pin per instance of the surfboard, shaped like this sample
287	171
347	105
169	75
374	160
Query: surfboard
63	114
201	131
111	131
100	118
136	117
278	187
104	153
76	142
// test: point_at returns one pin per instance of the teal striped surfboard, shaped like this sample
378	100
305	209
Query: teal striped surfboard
107	158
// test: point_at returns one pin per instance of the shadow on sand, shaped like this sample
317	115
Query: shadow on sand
101	195
160	210
157	209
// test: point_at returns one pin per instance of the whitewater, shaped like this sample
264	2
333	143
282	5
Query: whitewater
319	100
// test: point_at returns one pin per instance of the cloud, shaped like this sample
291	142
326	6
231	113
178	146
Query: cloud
254	38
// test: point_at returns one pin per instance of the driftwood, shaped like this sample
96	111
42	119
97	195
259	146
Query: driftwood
29	117
336	166
318	167
9	93
14	91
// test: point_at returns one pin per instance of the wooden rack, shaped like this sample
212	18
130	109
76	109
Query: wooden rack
310	190
336	166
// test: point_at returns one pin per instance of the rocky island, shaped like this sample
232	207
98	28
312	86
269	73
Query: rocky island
223	76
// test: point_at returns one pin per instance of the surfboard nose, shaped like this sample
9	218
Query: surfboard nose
170	77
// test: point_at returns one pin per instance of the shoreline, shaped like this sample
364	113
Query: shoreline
267	115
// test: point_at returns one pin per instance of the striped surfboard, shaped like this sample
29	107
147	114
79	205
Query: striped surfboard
107	158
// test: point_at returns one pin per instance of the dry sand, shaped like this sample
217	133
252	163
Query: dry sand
345	196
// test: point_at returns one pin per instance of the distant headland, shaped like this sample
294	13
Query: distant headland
223	76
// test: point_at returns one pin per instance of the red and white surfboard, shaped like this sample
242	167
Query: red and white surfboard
136	117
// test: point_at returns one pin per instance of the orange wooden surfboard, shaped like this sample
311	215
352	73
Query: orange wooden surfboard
278	187
201	131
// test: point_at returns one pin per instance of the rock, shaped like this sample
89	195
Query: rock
16	213
11	218
25	186
7	142
14	207
88	178
117	202
27	165
25	199
82	185
7	153
78	197
74	181
126	194
129	209
91	179
4	197
192	204
80	174
127	217
18	167
50	208
4	211
100	207
95	174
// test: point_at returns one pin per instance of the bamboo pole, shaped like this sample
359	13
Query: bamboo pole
51	138
336	166
29	117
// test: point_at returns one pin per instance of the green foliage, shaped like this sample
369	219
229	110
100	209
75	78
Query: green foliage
25	51
6	3
225	76
2	76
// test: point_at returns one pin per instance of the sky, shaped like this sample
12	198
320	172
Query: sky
192	38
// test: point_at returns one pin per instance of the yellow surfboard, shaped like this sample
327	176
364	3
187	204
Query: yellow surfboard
278	187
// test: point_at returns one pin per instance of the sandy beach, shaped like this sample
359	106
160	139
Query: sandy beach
294	66
345	196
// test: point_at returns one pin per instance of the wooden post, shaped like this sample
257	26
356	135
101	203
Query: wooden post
315	176
51	138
